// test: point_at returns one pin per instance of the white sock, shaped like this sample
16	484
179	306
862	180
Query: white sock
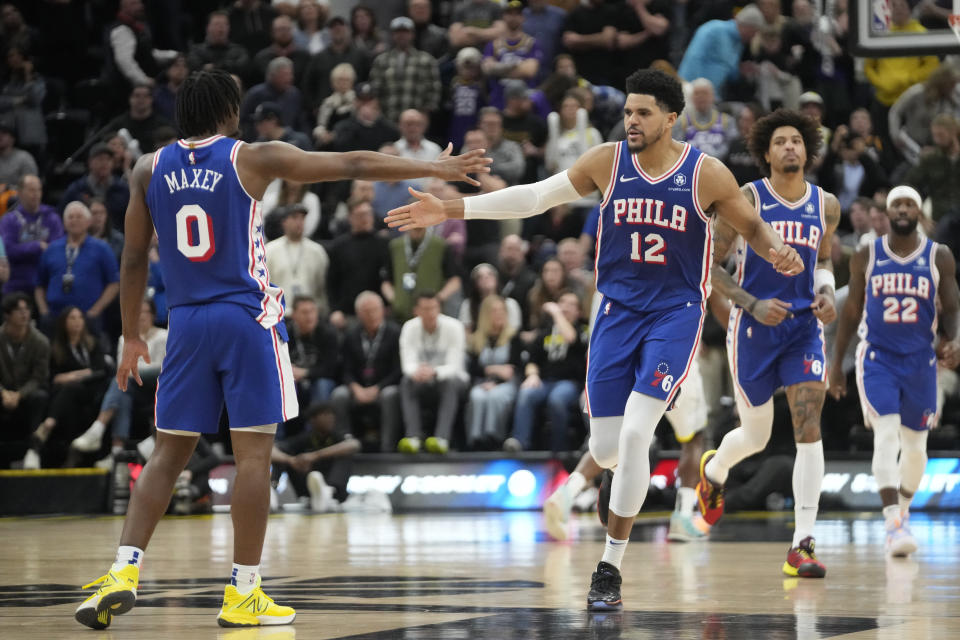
244	577
613	551
744	441
575	483
126	556
807	478
891	515
904	503
686	500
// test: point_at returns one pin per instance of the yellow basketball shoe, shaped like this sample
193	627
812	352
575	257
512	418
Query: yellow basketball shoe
253	609
116	595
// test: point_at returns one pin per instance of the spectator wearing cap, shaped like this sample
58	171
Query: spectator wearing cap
545	23
140	120
268	123
296	263
366	129
412	143
100	183
522	124
217	51
427	36
475	23
27	231
467	94
278	88
338	106
513	55
282	45
403	77
717	46
14	162
811	104
317	85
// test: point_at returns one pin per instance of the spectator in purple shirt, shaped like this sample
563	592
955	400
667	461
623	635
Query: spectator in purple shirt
514	55
27	231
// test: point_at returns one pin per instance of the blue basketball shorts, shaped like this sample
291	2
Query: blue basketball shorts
893	383
217	354
647	352
763	359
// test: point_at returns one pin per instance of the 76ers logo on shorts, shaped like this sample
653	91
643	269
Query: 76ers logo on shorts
811	364
661	377
930	419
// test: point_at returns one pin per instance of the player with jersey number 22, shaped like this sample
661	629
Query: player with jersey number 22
654	256
227	342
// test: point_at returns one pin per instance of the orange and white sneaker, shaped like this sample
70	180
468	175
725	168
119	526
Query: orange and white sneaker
253	609
116	595
709	495
802	562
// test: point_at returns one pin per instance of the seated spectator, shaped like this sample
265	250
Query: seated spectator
848	171
368	402
861	123
432	354
569	136
296	263
515	54
284	197
494	352
483	284
308	33
412	143
101	229
338	106
283	45
365	33
140	120
403	77
913	112
523	125
552	283
277	88
123	158
116	410
508	159
24	376
340	50
428	36
738	158
26	232
313	352
366	129
131	58
936	173
357	262
390	194
465	95
21	101
582	280
318	460
79	376
717	46
268	124
703	125
77	271
165	95
420	261
516	277
100	183
216	51
553	376
475	23
14	163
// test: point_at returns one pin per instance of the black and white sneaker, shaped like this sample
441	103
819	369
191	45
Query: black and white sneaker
605	589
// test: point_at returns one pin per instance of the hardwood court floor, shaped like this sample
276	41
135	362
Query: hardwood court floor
491	575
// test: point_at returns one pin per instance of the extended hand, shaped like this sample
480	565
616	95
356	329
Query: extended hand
426	212
786	261
823	308
771	312
455	168
133	350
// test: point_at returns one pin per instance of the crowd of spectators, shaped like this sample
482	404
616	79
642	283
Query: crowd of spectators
469	336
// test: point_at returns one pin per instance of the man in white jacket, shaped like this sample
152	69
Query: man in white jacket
432	355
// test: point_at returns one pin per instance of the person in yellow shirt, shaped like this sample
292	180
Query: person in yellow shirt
892	76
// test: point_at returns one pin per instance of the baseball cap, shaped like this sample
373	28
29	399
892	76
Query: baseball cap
401	22
515	89
364	91
99	149
267	110
811	97
469	55
292	209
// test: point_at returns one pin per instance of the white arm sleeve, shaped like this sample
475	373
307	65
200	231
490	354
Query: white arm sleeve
521	201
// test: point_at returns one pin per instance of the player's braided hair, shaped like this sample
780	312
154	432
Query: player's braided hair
664	88
205	101
762	133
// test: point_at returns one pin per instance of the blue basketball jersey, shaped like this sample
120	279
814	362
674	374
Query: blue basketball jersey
799	224
654	242
900	301
210	230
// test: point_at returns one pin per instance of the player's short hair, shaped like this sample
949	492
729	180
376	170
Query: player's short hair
762	133
664	88
207	99
300	299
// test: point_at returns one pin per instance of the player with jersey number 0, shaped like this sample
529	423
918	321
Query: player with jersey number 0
654	257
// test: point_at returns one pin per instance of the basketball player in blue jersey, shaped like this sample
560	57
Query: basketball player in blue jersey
652	267
227	343
894	285
775	335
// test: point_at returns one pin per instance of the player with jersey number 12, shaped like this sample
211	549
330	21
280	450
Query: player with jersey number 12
895	282
227	342
654	253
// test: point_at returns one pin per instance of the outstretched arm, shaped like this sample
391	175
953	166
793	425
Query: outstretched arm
949	348
849	318
718	189
590	172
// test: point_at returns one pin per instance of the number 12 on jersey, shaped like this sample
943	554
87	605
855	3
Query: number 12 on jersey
655	248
